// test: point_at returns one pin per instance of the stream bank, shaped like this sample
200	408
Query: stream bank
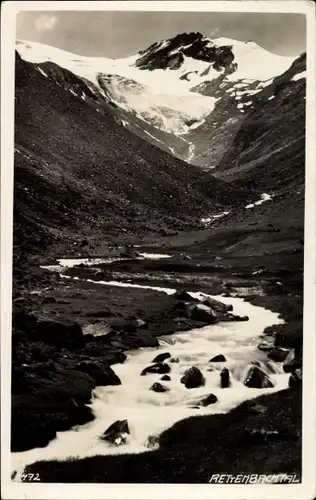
126	292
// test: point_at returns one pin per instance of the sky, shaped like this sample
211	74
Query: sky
121	34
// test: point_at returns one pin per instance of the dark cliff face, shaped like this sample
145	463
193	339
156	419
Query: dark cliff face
170	53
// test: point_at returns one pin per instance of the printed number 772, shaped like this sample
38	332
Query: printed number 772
30	477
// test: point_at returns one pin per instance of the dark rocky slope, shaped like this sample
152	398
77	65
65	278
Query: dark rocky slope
77	171
268	151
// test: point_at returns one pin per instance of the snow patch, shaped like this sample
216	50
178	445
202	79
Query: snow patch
264	197
42	72
298	76
191	151
266	84
208	220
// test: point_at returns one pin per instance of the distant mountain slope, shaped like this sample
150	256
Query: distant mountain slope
156	84
80	176
268	152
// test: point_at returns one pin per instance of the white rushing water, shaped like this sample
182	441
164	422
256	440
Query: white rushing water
149	413
95	261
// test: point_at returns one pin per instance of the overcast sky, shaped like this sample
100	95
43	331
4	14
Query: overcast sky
120	34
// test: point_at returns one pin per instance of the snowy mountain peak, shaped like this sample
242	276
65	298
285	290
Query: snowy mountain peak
167	84
172	53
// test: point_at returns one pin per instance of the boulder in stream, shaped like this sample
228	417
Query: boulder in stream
203	313
161	357
295	379
153	442
166	378
208	400
157	387
218	358
265	346
240	318
101	373
117	433
184	296
292	362
156	368
278	354
193	378
257	378
216	305
225	378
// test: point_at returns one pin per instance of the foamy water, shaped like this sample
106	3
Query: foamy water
149	413
94	261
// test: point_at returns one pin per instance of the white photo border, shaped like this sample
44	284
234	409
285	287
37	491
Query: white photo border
306	489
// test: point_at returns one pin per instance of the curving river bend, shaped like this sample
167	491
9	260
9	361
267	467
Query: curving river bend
149	413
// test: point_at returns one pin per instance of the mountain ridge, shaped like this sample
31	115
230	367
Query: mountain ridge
165	87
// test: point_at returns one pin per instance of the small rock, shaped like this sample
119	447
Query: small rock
208	400
218	358
278	354
293	365
202	313
265	346
184	296
117	433
257	378
192	378
295	379
216	305
225	378
157	368
153	442
157	387
165	378
161	357
174	360
140	323
235	317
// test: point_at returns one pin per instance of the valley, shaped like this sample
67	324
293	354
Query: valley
126	190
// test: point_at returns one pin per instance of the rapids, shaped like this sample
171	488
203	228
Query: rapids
149	413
